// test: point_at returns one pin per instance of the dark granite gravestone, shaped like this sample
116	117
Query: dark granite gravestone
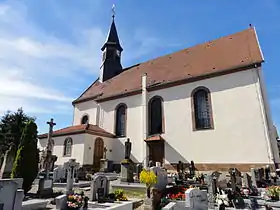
267	173
192	170
247	181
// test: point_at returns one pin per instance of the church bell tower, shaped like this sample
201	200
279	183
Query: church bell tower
111	58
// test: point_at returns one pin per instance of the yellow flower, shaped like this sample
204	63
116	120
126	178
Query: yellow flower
148	177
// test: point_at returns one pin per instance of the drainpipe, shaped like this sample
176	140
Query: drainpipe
144	119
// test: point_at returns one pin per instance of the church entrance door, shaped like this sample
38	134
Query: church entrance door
98	153
156	151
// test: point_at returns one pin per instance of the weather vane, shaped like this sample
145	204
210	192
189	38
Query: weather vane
113	11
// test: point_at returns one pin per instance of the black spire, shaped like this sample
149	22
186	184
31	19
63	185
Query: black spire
113	38
111	62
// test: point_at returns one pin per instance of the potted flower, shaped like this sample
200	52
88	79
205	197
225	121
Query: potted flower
148	178
74	202
273	192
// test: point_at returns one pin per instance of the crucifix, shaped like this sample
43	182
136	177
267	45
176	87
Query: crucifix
47	164
51	125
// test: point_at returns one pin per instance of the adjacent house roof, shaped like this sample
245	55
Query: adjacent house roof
78	129
221	56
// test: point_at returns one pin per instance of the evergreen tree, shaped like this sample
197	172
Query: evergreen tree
27	158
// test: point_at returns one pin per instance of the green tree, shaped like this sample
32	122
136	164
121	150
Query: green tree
11	127
27	158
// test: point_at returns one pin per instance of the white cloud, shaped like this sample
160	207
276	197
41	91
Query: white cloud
34	64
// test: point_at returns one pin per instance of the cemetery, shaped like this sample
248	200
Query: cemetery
185	188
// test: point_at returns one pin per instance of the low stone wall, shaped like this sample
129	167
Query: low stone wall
170	206
34	204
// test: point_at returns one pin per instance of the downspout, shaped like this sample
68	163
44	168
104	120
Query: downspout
265	117
144	119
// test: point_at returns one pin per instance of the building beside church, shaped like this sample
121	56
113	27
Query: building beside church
206	103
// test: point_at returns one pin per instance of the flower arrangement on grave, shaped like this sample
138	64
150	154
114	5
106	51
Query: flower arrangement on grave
222	199
273	192
199	177
148	178
75	201
246	192
119	195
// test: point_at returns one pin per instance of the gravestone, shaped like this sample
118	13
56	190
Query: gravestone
192	169
71	166
196	199
7	164
236	179
261	173
45	187
138	169
253	177
211	191
10	197
247	181
162	179
267	173
99	188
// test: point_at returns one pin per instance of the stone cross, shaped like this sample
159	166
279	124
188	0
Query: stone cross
47	162
70	166
51	125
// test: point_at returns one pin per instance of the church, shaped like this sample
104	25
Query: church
206	104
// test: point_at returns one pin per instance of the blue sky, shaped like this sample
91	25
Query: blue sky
50	49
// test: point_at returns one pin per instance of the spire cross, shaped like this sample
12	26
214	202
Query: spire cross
113	11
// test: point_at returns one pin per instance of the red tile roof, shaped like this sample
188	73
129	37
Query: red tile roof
78	129
154	138
218	56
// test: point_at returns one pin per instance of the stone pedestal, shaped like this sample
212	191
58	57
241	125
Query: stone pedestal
127	171
45	188
104	165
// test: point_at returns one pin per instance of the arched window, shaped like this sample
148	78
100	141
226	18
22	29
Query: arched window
155	115
120	129
84	119
68	146
202	112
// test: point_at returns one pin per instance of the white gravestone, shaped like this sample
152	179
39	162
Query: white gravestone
10	196
70	166
196	199
99	187
162	179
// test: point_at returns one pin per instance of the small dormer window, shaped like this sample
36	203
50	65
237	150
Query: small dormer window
84	119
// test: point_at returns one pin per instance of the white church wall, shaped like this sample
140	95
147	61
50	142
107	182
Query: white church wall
272	133
238	135
134	124
85	108
77	148
89	148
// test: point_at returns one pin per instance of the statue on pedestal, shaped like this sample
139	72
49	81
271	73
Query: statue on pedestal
127	150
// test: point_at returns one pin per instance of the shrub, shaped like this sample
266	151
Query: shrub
26	162
119	195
